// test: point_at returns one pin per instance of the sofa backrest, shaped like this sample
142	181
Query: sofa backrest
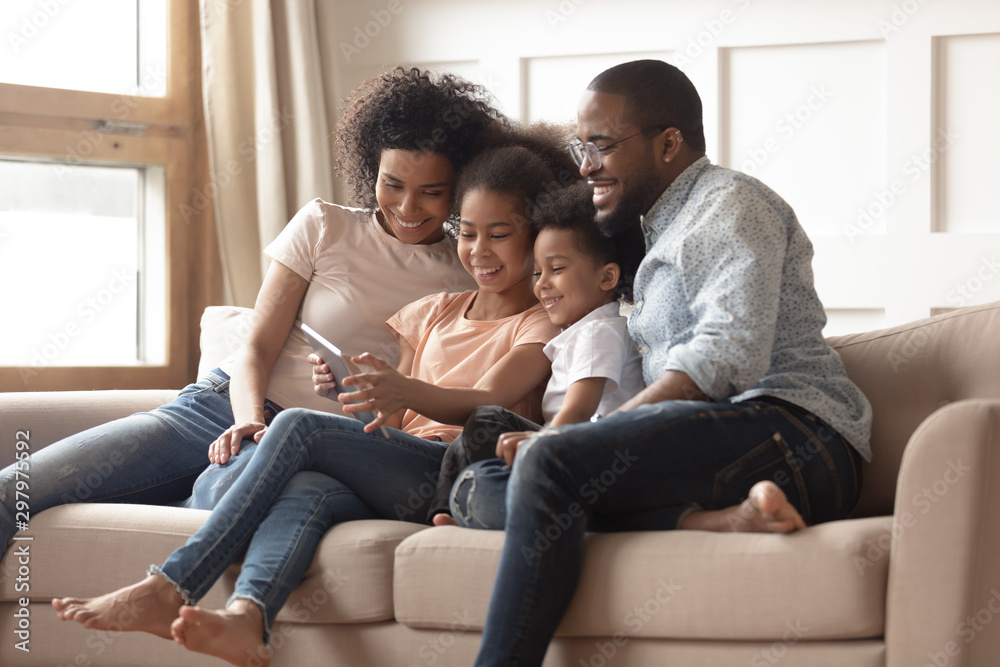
908	372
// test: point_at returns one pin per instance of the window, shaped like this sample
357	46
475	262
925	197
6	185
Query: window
96	160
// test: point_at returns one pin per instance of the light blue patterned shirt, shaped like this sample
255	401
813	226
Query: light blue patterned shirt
725	294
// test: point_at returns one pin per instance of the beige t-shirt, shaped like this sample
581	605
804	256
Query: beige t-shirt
453	351
359	275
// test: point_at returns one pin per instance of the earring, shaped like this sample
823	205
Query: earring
666	159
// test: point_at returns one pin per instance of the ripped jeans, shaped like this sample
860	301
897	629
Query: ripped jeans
644	469
311	470
478	442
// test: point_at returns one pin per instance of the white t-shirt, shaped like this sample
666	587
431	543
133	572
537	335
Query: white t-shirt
359	276
598	345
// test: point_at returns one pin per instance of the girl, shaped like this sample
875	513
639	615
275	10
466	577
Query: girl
437	385
344	270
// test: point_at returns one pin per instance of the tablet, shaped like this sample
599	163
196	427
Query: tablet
340	365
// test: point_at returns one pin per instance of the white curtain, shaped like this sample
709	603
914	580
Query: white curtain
268	129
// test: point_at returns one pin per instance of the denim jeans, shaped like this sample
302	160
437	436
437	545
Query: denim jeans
478	442
277	512
641	469
149	457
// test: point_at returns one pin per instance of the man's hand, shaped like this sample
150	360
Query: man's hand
671	386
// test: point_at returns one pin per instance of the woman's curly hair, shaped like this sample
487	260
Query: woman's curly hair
410	109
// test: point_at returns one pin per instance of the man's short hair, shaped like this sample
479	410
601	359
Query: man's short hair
656	94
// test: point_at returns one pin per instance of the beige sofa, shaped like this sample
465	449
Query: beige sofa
914	581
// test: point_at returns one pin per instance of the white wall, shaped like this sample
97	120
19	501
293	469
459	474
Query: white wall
878	120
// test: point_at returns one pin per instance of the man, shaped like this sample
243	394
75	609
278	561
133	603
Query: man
748	421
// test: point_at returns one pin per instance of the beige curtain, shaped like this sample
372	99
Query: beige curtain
267	125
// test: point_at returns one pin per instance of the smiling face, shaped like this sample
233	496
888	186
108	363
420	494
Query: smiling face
568	282
631	176
494	242
414	194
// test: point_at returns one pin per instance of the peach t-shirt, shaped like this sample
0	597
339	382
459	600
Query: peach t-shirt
359	275
453	351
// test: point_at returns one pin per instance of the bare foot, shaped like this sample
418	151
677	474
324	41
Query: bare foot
234	634
766	510
148	606
443	519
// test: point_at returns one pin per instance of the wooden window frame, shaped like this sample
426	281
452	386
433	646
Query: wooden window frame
73	126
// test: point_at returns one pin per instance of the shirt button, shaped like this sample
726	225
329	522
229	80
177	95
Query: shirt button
638	305
644	349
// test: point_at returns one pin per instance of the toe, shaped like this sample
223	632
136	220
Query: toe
177	630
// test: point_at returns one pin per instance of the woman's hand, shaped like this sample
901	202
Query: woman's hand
383	391
508	444
228	444
323	380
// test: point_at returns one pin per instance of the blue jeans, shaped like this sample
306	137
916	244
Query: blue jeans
150	457
276	512
644	469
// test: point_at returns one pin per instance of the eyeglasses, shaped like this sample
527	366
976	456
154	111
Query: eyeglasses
592	153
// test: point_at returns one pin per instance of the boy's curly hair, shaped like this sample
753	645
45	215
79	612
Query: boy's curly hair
411	109
572	208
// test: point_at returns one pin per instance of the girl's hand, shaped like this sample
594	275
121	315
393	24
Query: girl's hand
228	444
383	391
323	380
509	443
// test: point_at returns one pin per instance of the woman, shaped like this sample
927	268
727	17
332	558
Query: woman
402	139
457	352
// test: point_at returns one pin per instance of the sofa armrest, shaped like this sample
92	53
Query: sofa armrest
49	416
944	572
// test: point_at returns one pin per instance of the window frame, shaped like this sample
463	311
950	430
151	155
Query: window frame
71	126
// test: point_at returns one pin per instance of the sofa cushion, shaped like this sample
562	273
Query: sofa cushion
224	329
908	372
827	582
349	580
50	416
